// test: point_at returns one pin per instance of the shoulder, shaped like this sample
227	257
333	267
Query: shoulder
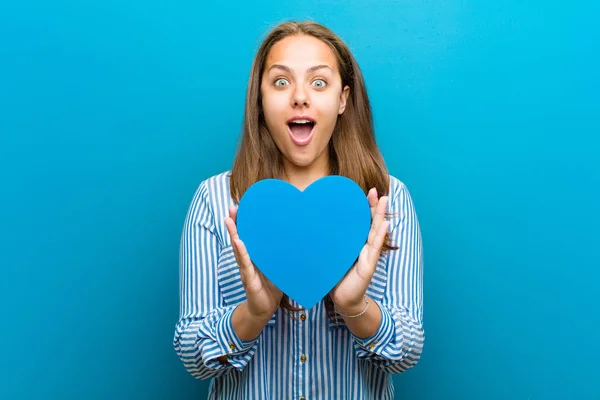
400	200
217	184
396	189
215	190
211	188
211	199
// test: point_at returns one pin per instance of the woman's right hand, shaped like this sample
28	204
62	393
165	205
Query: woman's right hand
262	296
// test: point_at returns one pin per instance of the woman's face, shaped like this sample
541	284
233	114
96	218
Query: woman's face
301	82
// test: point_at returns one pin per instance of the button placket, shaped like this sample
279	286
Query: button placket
302	330
299	327
304	351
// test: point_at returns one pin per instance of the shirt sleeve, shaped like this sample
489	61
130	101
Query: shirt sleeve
397	344
204	338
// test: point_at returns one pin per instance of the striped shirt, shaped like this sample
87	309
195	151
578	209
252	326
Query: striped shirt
298	355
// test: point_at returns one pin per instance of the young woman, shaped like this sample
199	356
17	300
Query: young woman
307	116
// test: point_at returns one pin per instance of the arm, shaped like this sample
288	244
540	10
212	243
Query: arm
205	339
397	341
247	327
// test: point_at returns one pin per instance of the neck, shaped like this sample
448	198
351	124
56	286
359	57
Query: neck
302	177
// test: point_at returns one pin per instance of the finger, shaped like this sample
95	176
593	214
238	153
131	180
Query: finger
381	208
244	257
380	237
380	213
378	218
364	269
231	228
245	263
233	213
372	197
377	244
235	240
233	236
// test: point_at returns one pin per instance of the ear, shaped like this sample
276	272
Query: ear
344	99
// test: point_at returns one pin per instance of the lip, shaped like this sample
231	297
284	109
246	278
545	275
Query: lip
307	140
295	117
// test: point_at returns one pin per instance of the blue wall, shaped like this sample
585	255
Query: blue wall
111	113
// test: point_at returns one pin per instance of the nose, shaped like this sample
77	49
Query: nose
300	96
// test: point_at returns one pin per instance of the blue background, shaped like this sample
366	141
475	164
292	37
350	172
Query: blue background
111	113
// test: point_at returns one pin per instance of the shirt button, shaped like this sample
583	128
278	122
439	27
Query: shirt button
303	317
232	346
372	345
303	358
302	398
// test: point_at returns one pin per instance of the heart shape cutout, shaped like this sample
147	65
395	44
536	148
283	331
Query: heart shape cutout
304	241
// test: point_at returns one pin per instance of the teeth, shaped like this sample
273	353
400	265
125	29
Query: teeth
301	121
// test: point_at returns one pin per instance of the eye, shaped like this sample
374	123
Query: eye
319	83
281	82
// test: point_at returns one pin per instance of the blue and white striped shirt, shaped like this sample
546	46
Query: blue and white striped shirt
302	356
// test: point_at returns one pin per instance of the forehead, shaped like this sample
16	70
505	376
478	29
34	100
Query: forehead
301	52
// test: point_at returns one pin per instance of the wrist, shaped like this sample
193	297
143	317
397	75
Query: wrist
247	325
352	309
258	317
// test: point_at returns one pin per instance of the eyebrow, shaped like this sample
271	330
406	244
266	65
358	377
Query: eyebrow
287	69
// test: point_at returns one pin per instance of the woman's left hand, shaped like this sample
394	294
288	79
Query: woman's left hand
349	293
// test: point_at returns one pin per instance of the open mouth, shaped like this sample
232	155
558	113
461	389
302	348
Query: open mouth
301	131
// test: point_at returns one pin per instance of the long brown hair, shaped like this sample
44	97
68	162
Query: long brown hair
353	151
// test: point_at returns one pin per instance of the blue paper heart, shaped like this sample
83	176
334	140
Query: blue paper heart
304	241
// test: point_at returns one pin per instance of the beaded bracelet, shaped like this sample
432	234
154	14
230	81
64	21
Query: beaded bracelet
353	316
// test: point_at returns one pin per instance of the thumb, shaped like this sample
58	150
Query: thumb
245	263
233	212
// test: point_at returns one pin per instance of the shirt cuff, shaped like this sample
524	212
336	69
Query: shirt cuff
376	343
228	340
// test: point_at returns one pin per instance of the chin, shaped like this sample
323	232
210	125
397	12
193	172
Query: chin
305	156
302	162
